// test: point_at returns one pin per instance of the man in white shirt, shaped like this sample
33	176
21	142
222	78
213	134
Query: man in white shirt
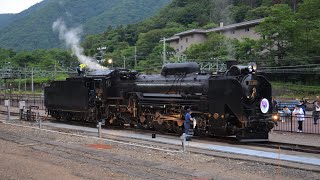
299	115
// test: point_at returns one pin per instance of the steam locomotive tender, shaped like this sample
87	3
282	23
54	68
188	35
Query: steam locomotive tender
233	103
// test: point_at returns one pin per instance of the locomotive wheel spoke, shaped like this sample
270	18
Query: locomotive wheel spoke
176	128
159	126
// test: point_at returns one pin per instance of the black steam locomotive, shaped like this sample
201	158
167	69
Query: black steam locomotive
232	103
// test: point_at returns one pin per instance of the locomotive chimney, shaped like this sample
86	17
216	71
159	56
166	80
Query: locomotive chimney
231	63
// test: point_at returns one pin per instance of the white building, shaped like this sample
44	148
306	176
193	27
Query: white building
183	40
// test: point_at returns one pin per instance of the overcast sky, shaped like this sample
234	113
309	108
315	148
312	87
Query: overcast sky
15	6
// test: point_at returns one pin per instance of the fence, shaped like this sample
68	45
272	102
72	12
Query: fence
31	100
289	123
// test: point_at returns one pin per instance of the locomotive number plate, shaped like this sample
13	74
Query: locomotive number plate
252	82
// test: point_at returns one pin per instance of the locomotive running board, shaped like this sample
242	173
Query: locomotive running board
253	137
161	95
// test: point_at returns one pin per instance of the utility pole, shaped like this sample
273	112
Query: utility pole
135	57
164	51
32	79
124	62
19	86
25	78
55	69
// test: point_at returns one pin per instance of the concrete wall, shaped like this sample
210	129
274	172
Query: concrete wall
244	32
185	41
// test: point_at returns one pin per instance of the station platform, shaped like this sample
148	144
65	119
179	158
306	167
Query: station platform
198	145
274	136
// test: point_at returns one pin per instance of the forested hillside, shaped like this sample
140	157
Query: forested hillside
290	25
32	29
5	19
291	32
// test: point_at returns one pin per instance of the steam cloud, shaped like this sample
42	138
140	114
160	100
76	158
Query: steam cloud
72	39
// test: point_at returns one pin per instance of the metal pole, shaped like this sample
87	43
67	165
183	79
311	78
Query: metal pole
99	129
55	69
5	88
19	85
39	118
32	79
135	57
291	123
8	110
9	103
183	141
124	62
164	51
25	78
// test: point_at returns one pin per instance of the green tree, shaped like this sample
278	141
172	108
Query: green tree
257	13
6	55
277	31
217	46
308	30
246	50
238	13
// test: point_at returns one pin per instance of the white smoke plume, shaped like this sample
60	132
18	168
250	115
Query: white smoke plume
72	39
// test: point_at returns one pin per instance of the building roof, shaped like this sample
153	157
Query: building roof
217	29
192	31
171	38
233	26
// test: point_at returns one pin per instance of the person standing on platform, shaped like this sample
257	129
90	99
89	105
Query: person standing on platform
303	106
316	110
274	105
187	122
299	115
286	114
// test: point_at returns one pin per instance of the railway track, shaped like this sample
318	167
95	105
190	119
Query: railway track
116	163
227	140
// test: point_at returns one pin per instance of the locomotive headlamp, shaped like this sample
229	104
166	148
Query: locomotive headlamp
252	67
275	117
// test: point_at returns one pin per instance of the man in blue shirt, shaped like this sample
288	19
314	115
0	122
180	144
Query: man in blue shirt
187	123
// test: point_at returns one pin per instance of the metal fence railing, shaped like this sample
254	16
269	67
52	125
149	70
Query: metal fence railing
290	123
31	100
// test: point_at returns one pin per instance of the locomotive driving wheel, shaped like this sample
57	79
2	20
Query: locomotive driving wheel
142	118
177	127
158	123
145	121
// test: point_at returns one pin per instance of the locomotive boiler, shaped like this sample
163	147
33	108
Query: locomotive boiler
236	102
